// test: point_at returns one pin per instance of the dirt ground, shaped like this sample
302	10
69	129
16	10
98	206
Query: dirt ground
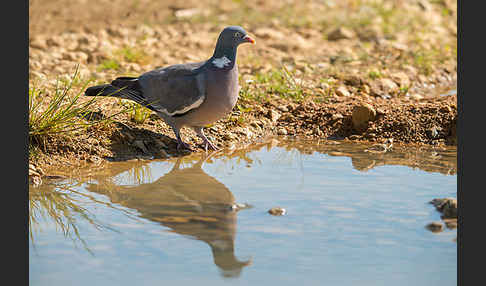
343	70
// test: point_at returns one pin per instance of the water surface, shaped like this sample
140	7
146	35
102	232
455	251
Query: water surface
353	217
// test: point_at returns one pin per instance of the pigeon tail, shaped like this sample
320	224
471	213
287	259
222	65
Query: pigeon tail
122	87
118	88
102	90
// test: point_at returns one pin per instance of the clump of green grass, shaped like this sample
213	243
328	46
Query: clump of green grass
140	114
374	74
249	91
424	60
238	115
126	54
62	114
133	55
403	90
282	82
136	112
110	64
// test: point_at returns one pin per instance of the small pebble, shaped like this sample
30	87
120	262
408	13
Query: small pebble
342	91
239	206
337	116
416	96
282	131
435	226
362	114
447	206
277	211
273	115
35	181
451	223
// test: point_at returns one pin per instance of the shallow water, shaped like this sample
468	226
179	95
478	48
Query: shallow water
352	217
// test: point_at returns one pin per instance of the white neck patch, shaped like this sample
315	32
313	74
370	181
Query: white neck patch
221	62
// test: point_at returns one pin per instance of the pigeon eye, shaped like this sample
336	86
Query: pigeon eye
237	35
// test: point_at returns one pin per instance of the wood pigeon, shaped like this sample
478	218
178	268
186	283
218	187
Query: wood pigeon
192	94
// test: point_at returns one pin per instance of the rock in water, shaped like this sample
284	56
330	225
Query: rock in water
277	211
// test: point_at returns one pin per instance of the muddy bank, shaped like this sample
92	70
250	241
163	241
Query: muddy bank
424	123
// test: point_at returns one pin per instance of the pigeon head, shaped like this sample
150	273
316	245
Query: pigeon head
234	36
229	40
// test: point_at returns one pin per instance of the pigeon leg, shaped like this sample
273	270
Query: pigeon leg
199	131
181	144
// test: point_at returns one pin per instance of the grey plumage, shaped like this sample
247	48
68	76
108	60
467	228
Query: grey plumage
192	94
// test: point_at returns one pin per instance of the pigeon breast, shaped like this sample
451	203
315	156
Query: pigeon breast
221	96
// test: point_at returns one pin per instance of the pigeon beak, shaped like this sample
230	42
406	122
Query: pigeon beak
248	39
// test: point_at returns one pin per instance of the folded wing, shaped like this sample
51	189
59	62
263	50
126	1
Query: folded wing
173	90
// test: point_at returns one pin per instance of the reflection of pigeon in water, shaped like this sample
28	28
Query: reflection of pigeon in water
189	202
191	94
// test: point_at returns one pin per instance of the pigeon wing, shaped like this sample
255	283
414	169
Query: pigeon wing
176	89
